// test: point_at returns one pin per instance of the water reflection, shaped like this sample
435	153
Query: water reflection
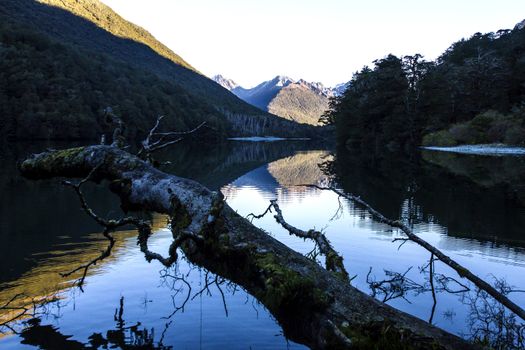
466	203
279	179
406	189
458	204
204	322
124	336
183	306
37	217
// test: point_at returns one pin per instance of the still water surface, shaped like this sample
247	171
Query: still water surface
471	207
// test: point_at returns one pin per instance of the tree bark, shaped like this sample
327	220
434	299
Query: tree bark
314	306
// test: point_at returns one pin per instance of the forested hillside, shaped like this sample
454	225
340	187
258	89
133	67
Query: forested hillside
63	62
48	90
476	88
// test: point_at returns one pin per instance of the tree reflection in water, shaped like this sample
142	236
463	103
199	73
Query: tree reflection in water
35	332
122	337
489	322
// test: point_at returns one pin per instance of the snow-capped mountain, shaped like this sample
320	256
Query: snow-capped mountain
261	95
297	100
226	83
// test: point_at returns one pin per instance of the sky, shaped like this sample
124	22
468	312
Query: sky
251	41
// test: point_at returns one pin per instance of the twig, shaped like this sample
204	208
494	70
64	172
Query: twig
85	267
144	234
431	273
150	145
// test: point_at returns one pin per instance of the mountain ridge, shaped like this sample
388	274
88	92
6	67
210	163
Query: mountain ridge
63	61
297	100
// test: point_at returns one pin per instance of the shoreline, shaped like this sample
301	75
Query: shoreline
267	138
482	149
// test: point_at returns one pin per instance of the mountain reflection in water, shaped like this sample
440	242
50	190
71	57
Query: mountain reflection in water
457	203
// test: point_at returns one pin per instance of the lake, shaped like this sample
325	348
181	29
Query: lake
471	207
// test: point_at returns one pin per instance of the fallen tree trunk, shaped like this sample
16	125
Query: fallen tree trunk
314	306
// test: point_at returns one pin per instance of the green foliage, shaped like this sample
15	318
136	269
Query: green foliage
92	26
487	127
365	112
52	91
439	138
400	100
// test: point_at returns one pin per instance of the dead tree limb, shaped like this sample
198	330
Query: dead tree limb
313	306
334	261
143	227
461	270
156	141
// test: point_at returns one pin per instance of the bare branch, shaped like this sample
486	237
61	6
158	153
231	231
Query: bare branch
397	286
20	307
144	234
147	141
106	253
188	132
334	262
461	270
253	216
111	225
176	278
21	312
150	144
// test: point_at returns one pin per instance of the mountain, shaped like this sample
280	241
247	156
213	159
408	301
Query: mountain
228	84
520	25
299	101
339	89
63	61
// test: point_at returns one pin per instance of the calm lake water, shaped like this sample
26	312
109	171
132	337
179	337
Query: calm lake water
471	207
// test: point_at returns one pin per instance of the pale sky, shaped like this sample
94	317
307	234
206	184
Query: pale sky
251	41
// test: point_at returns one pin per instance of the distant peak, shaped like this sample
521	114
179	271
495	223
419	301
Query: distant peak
339	89
283	80
224	82
520	25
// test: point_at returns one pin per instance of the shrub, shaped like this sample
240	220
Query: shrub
515	136
499	129
464	133
440	138
483	121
